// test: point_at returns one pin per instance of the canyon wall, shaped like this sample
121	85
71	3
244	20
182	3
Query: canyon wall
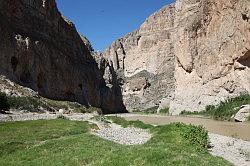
212	49
42	50
186	56
144	61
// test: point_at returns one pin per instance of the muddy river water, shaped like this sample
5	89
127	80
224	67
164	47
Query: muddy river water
231	129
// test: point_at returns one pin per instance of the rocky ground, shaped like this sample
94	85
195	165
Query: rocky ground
26	117
234	150
126	136
37	116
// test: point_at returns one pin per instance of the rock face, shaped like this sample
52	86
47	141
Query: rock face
212	49
42	50
144	61
186	56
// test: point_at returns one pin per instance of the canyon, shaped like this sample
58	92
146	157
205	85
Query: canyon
186	56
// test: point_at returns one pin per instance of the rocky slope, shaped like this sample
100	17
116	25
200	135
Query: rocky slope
42	50
186	56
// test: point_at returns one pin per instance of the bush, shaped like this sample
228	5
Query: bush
25	103
125	123
152	110
164	111
194	134
4	104
225	110
189	113
62	117
32	104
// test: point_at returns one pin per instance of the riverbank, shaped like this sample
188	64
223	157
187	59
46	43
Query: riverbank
225	128
64	142
237	151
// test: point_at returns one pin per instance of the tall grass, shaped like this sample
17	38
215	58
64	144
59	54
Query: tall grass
164	111
225	110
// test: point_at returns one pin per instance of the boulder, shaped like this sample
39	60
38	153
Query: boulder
243	114
62	111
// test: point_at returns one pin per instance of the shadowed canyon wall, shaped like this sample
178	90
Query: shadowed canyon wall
42	50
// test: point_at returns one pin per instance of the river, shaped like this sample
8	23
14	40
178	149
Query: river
231	129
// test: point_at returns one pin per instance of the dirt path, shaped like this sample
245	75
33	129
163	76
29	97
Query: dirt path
230	129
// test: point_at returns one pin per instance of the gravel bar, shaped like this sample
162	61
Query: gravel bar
35	116
125	136
234	150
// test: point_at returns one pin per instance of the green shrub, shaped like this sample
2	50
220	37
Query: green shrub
164	111
25	103
4	104
94	109
136	111
189	113
32	104
75	107
125	123
194	134
62	117
152	110
225	110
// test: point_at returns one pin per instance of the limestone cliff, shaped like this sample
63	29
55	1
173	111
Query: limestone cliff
42	50
144	61
186	56
212	48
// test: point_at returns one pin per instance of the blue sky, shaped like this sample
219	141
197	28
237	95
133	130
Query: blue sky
103	21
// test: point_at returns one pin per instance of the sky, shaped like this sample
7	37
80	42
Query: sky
104	21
